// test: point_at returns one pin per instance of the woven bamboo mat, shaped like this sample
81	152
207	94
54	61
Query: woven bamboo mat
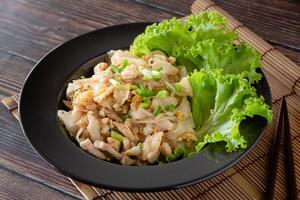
247	179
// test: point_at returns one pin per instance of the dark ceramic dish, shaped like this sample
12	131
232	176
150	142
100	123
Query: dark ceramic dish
41	98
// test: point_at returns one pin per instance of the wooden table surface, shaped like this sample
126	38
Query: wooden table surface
31	28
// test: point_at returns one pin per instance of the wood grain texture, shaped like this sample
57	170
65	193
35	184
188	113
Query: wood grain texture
31	28
15	187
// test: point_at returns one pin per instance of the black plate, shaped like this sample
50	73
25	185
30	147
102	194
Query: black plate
41	97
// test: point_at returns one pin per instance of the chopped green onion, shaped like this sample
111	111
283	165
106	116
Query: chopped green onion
121	68
117	78
159	69
157	111
148	77
116	135
170	107
145	103
82	77
161	94
140	145
123	65
150	74
132	87
178	87
115	83
124	117
114	69
171	158
142	91
156	75
169	89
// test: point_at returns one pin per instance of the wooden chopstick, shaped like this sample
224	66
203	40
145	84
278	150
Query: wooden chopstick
290	169
282	126
273	163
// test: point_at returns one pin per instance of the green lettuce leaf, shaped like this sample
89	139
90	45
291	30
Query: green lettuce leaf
164	36
230	100
233	59
200	41
169	35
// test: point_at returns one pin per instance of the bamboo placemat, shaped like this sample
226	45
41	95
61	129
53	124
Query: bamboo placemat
247	179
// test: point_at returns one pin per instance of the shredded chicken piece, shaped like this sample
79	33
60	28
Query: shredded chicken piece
109	149
93	127
148	129
119	56
72	88
161	61
68	104
126	144
83	122
163	102
129	123
151	147
111	114
125	130
77	137
122	109
69	121
105	126
136	100
84	98
105	94
88	146
104	76
166	149
134	151
186	89
121	96
130	72
107	103
114	143
99	68
127	161
140	114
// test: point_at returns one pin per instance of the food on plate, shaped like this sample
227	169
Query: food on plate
183	85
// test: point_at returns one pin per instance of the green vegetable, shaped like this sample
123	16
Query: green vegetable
115	83
157	111
146	102
114	69
82	77
180	152
116	135
123	65
144	92
171	158
161	94
178	88
171	34
233	59
132	87
140	145
170	107
219	104
121	68
221	70
124	117
117	78
150	74
200	42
